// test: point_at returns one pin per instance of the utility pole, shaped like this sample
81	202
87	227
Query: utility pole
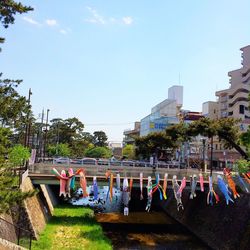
40	137
57	141
45	137
27	129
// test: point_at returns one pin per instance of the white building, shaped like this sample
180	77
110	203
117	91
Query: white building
164	113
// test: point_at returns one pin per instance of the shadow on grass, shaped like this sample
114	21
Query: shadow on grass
95	235
72	220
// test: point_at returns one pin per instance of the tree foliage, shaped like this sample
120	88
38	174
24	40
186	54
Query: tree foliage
10	194
242	166
5	133
100	139
62	149
8	10
65	131
227	130
152	144
18	155
98	152
128	152
245	141
14	107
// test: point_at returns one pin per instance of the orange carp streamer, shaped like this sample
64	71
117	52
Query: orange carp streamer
83	182
110	178
247	177
165	183
130	185
111	187
231	183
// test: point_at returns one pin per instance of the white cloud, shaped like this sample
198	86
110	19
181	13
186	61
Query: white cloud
112	20
128	20
96	17
31	21
62	31
51	22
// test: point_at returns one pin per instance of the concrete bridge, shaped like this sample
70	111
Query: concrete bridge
41	173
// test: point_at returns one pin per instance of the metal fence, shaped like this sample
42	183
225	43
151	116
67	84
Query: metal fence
15	234
124	171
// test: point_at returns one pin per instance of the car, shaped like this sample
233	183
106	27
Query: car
89	161
128	163
162	164
102	161
61	160
142	163
75	161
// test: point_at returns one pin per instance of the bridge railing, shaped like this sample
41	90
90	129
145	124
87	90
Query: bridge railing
124	171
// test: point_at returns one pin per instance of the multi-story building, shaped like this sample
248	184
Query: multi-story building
130	134
116	148
165	113
210	110
233	102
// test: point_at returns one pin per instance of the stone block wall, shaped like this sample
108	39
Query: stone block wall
221	226
35	211
7	230
7	245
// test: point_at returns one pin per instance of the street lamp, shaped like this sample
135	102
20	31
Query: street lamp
204	157
211	157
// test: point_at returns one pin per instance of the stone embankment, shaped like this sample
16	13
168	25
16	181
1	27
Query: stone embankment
7	245
221	226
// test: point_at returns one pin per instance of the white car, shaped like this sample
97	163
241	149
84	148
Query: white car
61	160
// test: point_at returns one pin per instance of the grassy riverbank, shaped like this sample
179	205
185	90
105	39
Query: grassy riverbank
72	228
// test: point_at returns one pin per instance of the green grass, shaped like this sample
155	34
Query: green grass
72	228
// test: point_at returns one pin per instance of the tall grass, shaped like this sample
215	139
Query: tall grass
72	228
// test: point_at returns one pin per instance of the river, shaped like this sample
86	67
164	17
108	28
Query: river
142	230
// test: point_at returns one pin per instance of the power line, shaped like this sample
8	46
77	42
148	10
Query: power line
108	124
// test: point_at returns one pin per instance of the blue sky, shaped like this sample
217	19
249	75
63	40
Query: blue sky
108	62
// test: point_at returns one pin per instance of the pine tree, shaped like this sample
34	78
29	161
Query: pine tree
13	108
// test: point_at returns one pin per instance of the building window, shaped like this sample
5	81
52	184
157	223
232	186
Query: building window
216	146
241	109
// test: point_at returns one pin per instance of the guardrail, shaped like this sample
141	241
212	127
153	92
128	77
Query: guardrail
124	171
22	236
109	162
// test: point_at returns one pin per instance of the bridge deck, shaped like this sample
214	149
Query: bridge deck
42	173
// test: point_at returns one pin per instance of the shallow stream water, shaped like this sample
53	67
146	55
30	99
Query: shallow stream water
142	230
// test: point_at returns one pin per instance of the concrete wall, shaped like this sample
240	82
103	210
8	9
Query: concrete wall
7	230
36	212
221	226
51	201
7	245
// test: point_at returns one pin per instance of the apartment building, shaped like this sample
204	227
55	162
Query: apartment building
233	102
130	134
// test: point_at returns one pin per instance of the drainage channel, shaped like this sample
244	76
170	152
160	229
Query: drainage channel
142	230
